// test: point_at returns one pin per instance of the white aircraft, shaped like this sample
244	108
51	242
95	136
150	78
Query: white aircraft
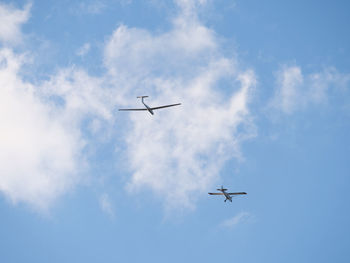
227	195
150	109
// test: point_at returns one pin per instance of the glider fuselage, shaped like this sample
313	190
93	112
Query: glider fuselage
147	107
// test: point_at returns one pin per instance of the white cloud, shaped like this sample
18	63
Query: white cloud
42	138
106	205
296	91
179	152
137	53
242	217
11	20
38	151
82	94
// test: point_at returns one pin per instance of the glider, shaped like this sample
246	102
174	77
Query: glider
149	109
227	195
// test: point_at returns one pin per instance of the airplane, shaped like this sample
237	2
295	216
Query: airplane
227	195
149	109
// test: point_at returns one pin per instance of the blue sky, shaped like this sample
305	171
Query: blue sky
265	93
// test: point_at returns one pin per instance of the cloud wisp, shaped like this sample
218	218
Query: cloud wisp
11	20
296	90
83	50
240	218
106	205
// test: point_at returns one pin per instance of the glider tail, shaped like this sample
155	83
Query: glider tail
142	97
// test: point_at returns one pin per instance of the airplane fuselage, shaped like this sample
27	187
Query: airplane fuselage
228	197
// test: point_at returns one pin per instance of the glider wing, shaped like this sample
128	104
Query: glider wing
165	106
132	109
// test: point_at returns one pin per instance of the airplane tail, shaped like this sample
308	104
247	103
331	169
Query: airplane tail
141	97
222	189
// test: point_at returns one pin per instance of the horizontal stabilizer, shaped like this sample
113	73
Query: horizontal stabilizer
222	189
140	97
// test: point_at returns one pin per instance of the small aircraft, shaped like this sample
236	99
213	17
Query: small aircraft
149	108
227	195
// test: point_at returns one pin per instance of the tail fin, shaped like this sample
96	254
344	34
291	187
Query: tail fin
222	189
141	97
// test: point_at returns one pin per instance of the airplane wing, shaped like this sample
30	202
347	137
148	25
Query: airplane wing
165	106
239	193
216	193
131	109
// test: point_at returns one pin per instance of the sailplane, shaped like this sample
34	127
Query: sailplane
149	109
